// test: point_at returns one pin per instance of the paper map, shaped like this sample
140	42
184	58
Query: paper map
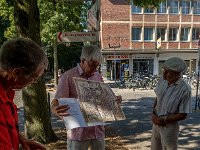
97	101
75	119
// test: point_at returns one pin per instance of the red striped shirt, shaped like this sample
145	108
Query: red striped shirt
9	133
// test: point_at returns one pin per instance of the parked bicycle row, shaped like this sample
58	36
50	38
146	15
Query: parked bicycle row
138	81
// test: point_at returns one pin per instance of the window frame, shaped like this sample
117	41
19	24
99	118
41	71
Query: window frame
183	34
197	9
161	34
172	40
138	34
186	8
146	10
161	7
197	33
178	7
136	8
148	39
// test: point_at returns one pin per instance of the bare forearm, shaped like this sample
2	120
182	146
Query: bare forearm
54	104
175	118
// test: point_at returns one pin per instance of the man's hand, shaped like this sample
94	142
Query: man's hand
118	99
59	111
30	144
157	120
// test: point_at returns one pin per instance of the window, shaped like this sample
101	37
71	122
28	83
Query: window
136	34
136	9
174	7
161	33
162	7
184	34
196	5
148	34
195	34
185	7
148	10
173	34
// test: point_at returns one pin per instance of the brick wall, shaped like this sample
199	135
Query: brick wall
196	18
137	17
187	18
174	18
149	18
163	45
173	45
115	34
136	45
149	45
115	10
195	44
116	23
162	18
185	45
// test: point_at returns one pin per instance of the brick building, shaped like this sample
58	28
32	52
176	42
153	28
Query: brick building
139	40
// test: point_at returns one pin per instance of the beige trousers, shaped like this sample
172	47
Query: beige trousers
94	144
165	138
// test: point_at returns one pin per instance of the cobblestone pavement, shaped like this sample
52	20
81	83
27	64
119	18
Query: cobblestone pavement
136	129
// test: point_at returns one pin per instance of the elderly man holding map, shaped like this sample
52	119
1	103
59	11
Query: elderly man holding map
81	138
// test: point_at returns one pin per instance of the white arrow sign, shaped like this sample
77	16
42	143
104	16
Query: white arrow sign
77	36
158	44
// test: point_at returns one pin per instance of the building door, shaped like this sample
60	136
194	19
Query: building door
121	71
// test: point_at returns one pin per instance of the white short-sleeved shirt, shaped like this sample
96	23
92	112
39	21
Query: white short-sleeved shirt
173	99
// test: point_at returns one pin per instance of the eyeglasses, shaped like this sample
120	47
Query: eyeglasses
33	78
93	64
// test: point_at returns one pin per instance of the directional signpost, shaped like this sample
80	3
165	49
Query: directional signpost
77	37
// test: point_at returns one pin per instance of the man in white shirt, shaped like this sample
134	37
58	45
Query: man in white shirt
173	102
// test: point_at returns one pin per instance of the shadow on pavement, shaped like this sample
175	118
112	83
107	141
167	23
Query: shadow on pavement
138	122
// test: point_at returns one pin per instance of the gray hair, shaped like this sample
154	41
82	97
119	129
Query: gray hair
22	53
91	52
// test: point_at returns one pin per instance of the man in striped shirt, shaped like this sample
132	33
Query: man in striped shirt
83	137
173	102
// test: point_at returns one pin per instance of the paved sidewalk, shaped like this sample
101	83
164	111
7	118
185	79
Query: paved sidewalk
136	129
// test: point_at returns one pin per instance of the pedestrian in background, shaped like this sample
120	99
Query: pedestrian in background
172	104
22	62
83	137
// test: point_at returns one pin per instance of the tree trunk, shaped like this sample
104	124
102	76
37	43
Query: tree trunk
36	110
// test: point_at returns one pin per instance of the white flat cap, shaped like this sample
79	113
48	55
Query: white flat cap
176	64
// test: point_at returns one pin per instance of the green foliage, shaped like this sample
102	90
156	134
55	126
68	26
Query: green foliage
7	28
70	56
3	25
58	16
62	16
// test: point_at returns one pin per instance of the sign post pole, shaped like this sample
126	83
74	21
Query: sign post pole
55	63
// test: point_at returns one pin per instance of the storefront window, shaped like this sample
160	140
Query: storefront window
122	69
143	66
